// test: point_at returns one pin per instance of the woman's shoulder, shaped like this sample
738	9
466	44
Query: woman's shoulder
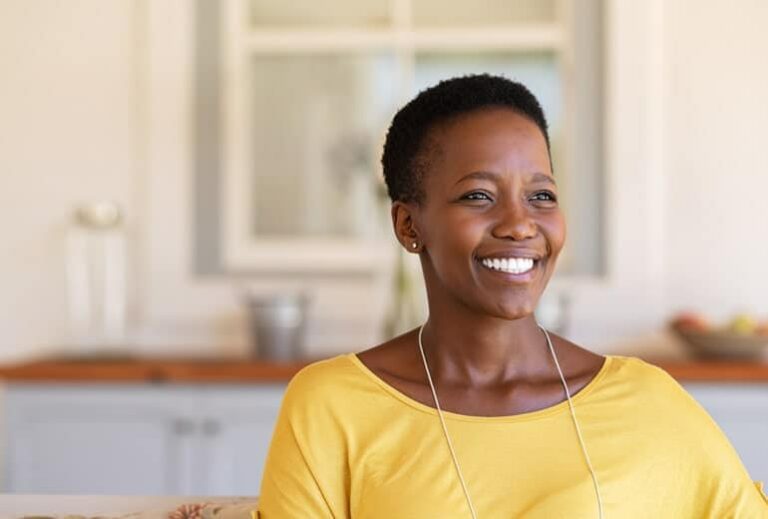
333	384
322	375
644	376
649	392
638	370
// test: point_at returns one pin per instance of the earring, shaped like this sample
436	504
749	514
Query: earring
414	245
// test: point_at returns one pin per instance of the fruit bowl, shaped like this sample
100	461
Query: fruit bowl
723	344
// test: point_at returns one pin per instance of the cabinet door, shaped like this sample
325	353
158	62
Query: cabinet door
741	411
237	428
93	440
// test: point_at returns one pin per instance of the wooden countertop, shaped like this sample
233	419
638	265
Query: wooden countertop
202	371
155	370
714	370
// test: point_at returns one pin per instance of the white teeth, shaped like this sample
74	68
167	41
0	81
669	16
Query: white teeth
513	265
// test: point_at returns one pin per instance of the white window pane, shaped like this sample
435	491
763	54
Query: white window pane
460	13
317	125
368	13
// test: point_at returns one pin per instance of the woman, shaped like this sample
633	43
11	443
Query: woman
480	412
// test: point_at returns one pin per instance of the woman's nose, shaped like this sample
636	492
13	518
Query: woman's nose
514	221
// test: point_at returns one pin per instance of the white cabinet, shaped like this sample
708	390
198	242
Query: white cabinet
124	439
61	452
235	438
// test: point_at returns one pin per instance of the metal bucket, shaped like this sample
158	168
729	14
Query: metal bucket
277	324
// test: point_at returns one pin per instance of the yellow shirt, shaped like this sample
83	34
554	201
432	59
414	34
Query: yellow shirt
349	445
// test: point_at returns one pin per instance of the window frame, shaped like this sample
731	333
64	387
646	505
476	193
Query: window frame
564	37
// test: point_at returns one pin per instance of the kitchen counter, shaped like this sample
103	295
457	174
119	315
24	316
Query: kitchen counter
714	370
255	371
154	371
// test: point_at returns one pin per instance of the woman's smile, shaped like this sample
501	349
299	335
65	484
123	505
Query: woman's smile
512	270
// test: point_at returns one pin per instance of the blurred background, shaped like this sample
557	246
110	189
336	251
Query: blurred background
172	171
241	140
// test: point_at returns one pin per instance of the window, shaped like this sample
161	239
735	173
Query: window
299	96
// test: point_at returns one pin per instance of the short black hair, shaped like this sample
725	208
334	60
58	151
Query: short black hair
403	159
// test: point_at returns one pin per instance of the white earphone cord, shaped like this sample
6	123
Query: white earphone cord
570	405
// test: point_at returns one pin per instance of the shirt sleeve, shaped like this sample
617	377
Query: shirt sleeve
761	490
723	487
305	474
733	493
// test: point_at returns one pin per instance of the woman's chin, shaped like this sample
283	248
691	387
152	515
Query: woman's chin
514	311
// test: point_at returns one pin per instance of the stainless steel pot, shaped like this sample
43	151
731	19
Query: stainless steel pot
278	325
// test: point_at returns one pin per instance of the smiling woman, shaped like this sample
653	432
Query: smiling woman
481	412
501	211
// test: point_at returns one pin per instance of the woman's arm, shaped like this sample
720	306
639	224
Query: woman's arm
305	474
724	487
290	485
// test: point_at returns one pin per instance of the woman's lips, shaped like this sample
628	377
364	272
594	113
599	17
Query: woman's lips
525	277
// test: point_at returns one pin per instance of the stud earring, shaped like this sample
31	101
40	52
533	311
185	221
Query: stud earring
414	245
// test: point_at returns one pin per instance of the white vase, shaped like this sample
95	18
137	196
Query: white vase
96	279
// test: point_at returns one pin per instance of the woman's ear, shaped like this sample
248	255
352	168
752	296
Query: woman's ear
403	221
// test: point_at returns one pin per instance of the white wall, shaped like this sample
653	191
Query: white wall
686	228
716	179
68	133
687	109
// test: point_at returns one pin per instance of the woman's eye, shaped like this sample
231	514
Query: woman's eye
550	196
477	195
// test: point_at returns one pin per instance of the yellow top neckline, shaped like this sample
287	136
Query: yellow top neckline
531	415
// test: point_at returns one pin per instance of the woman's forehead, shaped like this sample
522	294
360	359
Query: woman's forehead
491	123
492	140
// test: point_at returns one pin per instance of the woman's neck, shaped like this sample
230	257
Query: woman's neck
478	350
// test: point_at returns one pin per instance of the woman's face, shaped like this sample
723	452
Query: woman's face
490	195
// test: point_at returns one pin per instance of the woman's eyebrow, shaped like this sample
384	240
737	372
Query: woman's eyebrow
541	177
489	175
479	175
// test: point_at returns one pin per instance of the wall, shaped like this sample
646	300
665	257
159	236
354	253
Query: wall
716	180
685	119
686	112
68	133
